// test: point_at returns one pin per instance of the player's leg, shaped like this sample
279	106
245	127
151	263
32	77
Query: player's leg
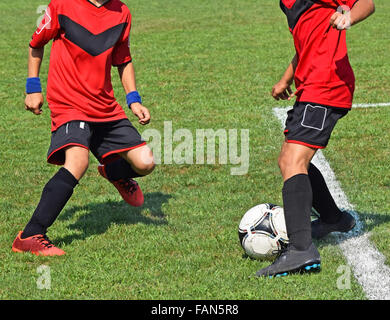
331	217
125	156
308	128
58	191
297	192
316	125
311	125
140	160
134	163
301	254
55	195
296	153
68	148
76	161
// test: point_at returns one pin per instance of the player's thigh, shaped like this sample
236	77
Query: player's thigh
140	158
76	160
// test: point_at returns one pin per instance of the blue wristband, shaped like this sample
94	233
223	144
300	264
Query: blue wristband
33	85
133	97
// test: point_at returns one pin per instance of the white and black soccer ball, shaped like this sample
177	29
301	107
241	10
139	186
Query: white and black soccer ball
262	231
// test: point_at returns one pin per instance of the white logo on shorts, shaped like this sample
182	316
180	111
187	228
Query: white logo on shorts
308	122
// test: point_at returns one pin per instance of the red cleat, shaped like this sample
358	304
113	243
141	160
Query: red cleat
39	245
128	189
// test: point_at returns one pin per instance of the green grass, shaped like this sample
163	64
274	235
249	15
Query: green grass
204	64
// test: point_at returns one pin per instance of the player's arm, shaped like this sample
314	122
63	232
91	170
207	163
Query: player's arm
34	100
359	12
282	89
127	76
47	30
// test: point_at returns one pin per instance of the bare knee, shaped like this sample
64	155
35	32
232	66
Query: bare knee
141	159
76	161
145	168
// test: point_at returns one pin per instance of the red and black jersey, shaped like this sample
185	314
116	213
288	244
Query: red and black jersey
323	74
87	41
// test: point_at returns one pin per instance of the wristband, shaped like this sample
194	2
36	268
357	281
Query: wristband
133	97
33	85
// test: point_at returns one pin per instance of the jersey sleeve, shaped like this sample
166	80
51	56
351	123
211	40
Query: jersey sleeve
48	29
121	53
351	3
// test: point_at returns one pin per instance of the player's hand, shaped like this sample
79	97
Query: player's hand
141	112
34	102
341	21
282	90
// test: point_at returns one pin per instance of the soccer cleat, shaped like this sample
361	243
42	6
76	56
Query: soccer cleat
39	245
292	261
320	229
128	189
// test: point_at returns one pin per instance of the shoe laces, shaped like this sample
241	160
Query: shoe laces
44	240
280	252
129	185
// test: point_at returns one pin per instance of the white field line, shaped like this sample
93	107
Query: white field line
367	262
371	105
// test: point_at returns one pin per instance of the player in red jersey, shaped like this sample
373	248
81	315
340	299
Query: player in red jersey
325	84
89	37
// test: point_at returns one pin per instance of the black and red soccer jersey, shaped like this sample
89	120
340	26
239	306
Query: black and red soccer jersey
323	74
87	41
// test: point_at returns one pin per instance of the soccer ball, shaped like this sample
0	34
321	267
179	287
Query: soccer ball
262	231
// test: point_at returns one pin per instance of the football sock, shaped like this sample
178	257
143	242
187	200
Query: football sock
297	202
55	195
120	169
323	201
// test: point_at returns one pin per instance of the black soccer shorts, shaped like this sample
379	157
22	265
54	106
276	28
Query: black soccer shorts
311	124
104	139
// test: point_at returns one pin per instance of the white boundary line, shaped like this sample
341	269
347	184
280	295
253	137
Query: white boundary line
371	105
367	262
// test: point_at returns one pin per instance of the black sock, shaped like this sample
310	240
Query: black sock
323	201
297	203
120	169
55	195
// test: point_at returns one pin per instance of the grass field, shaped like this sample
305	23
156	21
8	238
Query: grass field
200	65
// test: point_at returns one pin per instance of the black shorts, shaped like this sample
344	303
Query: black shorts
104	139
311	124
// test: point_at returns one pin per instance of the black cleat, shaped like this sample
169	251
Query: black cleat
320	229
292	261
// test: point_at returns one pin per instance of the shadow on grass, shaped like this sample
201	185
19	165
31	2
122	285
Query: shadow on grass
99	216
367	221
